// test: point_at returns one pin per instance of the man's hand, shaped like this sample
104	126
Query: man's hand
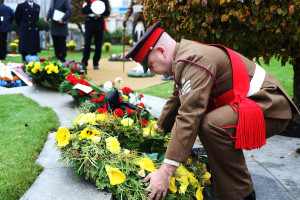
159	181
60	21
46	19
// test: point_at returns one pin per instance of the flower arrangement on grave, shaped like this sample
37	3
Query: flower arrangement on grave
75	67
13	47
10	82
71	46
118	57
97	149
107	46
48	73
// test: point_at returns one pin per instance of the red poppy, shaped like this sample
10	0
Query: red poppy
120	99
81	93
42	59
126	90
144	122
129	111
141	95
119	112
102	110
141	105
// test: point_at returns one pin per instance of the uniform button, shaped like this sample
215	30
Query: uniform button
29	15
29	28
96	17
35	28
29	22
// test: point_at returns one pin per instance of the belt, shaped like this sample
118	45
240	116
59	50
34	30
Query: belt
257	80
93	15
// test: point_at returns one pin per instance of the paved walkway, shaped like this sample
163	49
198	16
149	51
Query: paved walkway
274	168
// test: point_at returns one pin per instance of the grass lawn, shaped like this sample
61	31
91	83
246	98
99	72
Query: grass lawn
77	56
24	129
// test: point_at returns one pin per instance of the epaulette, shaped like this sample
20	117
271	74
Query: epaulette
21	2
84	4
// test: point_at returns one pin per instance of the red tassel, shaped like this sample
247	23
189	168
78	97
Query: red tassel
250	131
104	25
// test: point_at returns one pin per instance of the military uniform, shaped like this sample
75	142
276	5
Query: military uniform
6	18
185	114
94	26
137	15
27	18
135	7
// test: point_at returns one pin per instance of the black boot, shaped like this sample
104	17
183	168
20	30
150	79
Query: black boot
251	196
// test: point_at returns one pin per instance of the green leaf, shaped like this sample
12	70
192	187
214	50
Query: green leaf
260	25
218	35
255	12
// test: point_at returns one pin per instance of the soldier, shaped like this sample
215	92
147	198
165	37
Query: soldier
6	18
135	7
229	101
59	27
94	26
27	16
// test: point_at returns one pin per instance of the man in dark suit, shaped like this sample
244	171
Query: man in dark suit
94	26
59	27
6	18
27	16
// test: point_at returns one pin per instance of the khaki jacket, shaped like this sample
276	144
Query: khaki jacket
136	16
185	108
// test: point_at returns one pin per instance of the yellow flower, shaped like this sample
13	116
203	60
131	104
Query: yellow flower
88	133
206	178
88	118
30	64
126	151
113	145
125	97
146	131
96	139
62	136
115	175
127	122
146	164
172	186
101	117
107	44
185	177
199	195
142	173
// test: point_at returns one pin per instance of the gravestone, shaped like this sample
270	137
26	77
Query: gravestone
78	39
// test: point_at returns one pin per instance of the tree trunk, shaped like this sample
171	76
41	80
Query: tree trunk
296	97
80	28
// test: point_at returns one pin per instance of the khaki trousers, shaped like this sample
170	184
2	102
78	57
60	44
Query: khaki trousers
228	166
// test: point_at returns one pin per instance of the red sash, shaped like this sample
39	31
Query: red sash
250	130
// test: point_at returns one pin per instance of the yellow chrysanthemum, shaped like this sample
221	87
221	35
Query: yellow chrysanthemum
146	132
101	117
115	175
146	164
30	64
172	186
88	118
88	133
127	122
62	136
206	178
113	145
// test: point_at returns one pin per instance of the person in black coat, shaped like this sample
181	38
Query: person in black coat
6	18
27	16
94	26
59	27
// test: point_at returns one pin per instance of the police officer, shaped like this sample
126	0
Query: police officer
6	18
94	26
27	16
